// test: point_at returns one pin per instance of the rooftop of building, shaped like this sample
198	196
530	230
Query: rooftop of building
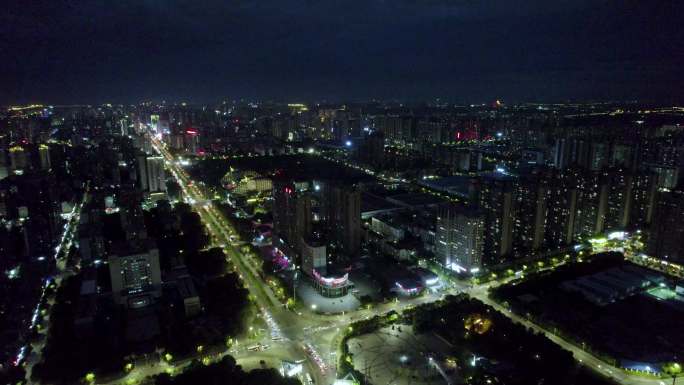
409	283
317	237
186	287
393	218
415	199
132	247
499	175
424	273
372	203
447	181
88	287
458	185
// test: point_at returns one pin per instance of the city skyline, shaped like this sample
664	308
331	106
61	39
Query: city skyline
281	236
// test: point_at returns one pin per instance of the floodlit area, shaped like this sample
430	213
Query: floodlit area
313	300
398	356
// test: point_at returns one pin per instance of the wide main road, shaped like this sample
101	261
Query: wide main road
285	327
221	230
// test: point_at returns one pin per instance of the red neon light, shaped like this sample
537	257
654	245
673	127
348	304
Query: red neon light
191	132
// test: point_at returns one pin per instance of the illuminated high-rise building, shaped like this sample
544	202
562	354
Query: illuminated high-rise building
156	178
663	154
643	194
561	208
314	254
136	277
342	215
4	164
459	239
598	156
619	198
291	215
44	153
496	200
19	159
667	232
141	161
154	123
530	213
592	200
191	139
545	210
372	150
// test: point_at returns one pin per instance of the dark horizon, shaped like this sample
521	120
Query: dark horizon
126	52
407	102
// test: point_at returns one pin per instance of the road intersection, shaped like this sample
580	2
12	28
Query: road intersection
314	336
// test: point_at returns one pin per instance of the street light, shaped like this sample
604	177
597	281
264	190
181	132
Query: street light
294	287
673	369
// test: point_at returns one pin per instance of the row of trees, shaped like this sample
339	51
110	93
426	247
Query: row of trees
223	372
516	354
68	355
181	236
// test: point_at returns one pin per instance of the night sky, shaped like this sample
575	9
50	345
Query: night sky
126	51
